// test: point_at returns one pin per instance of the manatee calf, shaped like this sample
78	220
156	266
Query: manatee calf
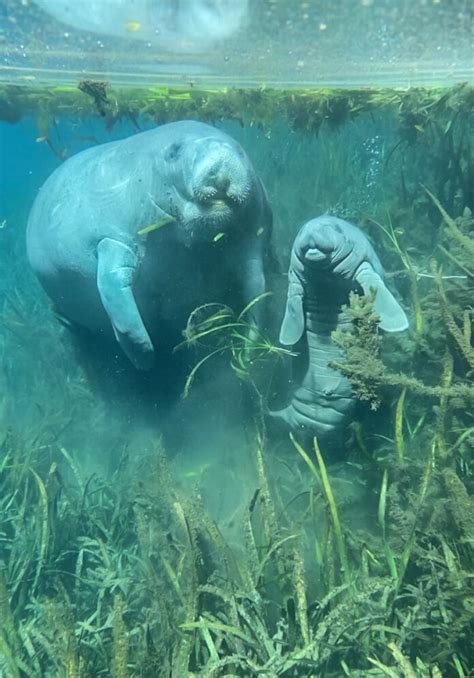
330	257
132	235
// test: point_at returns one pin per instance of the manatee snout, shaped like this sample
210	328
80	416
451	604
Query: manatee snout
314	255
219	186
221	175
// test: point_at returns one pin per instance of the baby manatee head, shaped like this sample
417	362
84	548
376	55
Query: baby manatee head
335	254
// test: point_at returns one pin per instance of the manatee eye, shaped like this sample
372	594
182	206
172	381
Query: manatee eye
173	152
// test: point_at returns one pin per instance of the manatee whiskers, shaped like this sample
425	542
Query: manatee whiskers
235	195
222	173
204	193
241	196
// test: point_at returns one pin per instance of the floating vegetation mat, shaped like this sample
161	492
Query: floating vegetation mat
303	110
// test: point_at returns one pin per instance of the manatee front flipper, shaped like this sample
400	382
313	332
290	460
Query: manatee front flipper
392	316
293	324
247	266
116	264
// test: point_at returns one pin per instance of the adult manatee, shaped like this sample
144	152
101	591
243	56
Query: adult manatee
330	257
132	235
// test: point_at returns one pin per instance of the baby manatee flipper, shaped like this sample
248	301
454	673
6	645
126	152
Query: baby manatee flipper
293	324
116	264
392	316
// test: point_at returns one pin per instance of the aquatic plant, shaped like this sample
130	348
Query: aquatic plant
304	110
130	576
140	581
364	347
365	369
218	329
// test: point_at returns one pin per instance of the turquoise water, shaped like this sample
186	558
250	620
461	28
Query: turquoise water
162	523
147	534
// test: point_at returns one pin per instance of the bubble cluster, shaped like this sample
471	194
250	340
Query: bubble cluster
373	152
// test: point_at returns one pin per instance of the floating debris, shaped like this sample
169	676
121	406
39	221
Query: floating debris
98	91
156	226
133	26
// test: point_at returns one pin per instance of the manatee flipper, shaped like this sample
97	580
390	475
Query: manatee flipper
293	324
247	267
392	316
116	264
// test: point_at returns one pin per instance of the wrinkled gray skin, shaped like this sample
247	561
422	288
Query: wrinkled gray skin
329	258
84	246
